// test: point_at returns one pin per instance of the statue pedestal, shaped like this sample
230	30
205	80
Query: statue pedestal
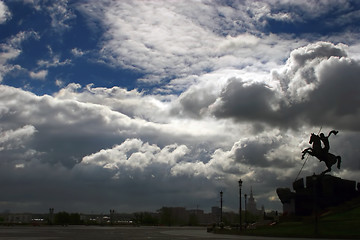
320	192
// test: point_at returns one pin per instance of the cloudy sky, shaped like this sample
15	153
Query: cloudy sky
135	105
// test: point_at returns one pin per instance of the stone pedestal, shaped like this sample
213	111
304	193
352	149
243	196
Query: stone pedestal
320	191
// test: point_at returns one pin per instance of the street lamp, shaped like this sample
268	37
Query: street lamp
112	212
51	216
245	210
240	185
221	203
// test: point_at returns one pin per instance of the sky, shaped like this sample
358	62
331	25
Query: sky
135	105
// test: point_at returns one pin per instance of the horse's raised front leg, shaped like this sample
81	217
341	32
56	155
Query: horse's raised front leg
306	151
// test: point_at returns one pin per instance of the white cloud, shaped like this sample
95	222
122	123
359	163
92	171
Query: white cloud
300	71
21	165
178	39
154	45
133	155
354	51
13	139
4	13
59	12
11	50
187	42
236	103
54	62
124	137
131	103
78	52
39	75
77	116
59	83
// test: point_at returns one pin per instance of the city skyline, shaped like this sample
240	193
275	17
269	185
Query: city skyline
138	104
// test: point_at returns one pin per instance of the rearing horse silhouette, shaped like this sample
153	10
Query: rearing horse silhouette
317	151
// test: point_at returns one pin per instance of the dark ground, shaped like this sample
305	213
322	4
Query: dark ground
114	233
105	233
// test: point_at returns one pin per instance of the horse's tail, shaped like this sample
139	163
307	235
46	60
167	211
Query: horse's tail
338	162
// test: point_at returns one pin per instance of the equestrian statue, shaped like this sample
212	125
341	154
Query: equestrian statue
322	153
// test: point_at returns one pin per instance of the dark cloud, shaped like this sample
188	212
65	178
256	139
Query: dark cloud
212	115
80	156
65	130
103	154
318	86
246	102
194	102
335	101
253	153
344	144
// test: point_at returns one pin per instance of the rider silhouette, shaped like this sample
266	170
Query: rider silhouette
322	153
325	141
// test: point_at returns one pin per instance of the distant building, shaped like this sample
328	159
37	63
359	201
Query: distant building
251	206
19	218
23	218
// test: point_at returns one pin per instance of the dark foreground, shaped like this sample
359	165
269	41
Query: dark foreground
105	233
113	233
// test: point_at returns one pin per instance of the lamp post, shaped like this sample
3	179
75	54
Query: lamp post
112	213
240	185
51	216
245	220
221	203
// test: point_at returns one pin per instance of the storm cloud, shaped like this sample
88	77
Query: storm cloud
110	108
318	78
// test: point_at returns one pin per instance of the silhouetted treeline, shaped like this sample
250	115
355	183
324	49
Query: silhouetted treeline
64	218
146	218
166	216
